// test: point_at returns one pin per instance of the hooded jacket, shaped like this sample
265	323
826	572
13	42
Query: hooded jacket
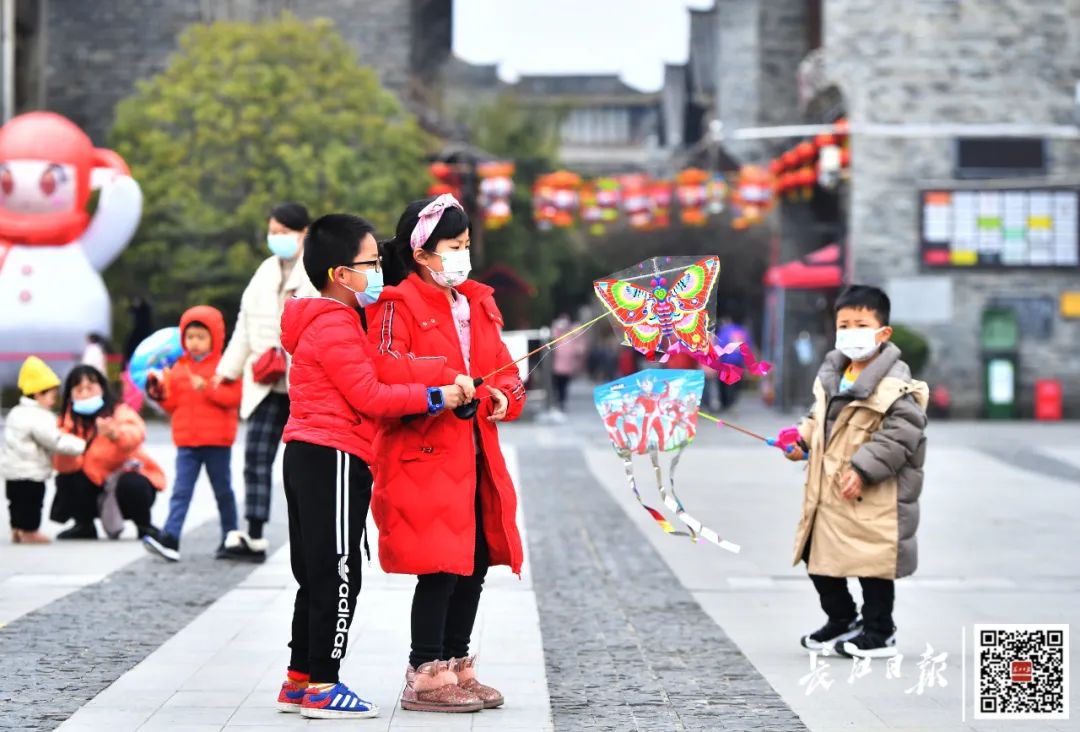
206	416
334	393
875	428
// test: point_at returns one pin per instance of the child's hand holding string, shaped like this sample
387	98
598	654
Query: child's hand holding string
465	383
501	403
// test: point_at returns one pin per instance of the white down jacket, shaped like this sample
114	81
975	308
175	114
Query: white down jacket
31	438
258	328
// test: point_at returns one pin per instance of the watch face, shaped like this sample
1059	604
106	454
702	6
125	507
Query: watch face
437	398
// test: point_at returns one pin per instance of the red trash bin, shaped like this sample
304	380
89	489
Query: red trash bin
1048	399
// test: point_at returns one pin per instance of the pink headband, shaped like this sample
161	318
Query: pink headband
429	219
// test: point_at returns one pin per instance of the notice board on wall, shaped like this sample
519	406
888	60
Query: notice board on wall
978	228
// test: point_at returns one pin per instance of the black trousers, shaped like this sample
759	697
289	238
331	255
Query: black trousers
76	497
328	492
561	382
25	498
444	605
879	596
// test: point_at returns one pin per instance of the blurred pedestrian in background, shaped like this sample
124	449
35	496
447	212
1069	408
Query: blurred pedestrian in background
142	325
114	479
730	332
31	438
96	353
567	361
254	354
204	420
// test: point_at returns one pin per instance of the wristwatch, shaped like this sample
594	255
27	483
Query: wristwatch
435	400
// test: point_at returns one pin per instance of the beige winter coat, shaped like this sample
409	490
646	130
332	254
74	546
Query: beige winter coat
876	427
258	328
31	438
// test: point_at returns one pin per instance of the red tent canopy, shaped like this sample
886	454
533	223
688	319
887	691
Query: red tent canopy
819	270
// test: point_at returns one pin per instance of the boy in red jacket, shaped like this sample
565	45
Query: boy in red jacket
204	419
335	401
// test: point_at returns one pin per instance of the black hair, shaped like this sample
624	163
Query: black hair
291	215
86	425
332	241
399	262
865	297
198	324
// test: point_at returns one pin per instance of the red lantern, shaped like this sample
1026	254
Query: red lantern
825	139
805	151
496	187
753	195
775	166
789	159
691	192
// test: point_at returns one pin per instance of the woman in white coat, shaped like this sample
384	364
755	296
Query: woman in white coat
265	402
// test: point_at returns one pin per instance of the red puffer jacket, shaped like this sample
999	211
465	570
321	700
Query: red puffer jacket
425	470
334	394
205	417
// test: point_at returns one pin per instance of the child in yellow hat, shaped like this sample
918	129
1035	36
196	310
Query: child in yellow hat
31	437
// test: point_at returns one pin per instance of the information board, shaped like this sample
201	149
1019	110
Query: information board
975	228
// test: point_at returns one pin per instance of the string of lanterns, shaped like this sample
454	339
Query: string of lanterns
564	199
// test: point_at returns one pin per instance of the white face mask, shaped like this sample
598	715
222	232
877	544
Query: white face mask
858	344
456	267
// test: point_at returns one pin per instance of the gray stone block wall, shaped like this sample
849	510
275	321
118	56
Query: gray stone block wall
97	51
1011	61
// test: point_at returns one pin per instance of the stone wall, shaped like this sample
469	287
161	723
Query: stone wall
1014	61
758	45
97	51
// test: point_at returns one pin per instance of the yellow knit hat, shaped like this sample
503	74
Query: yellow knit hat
35	376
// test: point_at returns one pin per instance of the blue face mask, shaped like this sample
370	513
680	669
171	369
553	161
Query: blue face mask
283	245
88	407
198	358
372	291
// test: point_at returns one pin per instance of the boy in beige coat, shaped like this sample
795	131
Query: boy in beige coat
866	448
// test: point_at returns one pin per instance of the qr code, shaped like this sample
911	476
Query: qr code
1022	671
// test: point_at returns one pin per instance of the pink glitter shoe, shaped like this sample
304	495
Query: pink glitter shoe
434	688
465	668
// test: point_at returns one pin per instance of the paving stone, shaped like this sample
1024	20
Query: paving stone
69	650
625	645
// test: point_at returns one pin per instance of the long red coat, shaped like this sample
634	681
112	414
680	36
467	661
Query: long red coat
425	477
204	417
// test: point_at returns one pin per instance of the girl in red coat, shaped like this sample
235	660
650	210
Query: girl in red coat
443	500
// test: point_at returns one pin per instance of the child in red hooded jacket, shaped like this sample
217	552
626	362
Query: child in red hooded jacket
335	401
444	501
204	420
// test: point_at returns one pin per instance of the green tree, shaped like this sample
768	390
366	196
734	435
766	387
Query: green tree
558	264
247	115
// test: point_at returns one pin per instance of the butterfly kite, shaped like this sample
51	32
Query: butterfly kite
662	303
650	412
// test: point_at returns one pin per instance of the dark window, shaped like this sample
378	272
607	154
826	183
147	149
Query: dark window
1000	157
813	24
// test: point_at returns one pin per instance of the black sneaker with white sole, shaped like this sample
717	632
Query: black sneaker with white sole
159	543
832	633
869	644
240	547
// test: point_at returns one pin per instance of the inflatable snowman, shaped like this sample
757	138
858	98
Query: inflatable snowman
51	249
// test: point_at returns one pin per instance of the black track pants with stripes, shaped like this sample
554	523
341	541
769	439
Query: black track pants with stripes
328	492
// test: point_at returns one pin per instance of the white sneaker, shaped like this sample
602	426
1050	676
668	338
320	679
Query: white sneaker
242	548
